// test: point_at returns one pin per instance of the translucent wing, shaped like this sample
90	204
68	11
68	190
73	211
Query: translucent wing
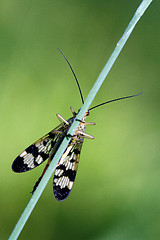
66	170
39	151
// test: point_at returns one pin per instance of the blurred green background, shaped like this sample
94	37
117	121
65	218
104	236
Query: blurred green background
116	195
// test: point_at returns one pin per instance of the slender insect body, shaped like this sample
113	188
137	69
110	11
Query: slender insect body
66	169
46	147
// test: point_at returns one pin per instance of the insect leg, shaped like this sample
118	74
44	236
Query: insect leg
62	120
85	134
73	112
86	123
89	123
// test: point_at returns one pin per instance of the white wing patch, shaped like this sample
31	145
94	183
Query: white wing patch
66	170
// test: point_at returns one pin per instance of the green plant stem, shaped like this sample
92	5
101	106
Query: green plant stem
25	215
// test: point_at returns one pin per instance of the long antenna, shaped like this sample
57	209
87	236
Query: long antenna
73	75
117	99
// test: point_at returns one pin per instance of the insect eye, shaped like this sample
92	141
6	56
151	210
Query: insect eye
87	113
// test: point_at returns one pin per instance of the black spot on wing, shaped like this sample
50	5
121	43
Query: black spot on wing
19	166
70	174
76	151
52	135
67	173
72	160
45	142
60	194
44	155
62	167
32	149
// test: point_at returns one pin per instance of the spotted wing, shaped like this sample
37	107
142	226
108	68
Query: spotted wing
39	151
66	170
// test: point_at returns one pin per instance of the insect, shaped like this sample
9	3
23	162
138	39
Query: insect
46	147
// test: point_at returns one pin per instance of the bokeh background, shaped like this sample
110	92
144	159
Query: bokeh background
117	191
